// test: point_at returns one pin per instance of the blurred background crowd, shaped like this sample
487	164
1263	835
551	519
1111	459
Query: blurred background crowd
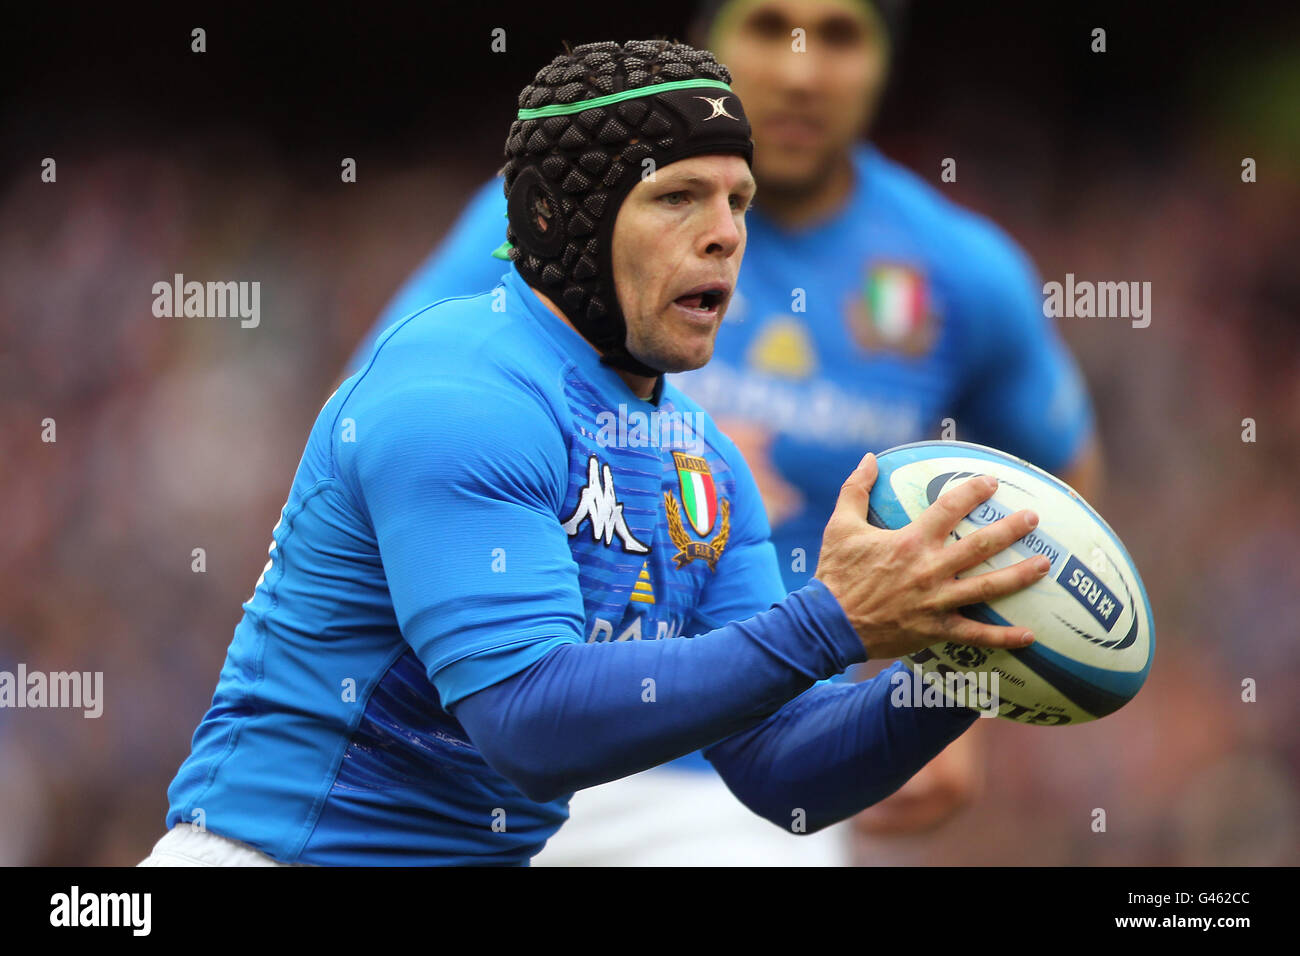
177	434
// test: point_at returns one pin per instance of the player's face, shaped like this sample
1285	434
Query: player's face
678	242
805	108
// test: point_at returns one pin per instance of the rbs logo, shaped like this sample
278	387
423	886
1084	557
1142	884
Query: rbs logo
1091	593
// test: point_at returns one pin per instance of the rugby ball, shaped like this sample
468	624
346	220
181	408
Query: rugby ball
1093	631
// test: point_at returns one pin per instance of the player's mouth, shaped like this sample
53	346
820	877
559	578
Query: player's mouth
793	129
704	302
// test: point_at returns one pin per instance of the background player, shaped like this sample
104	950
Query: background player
870	310
873	309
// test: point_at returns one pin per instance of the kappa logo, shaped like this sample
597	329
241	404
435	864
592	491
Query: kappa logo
599	504
718	108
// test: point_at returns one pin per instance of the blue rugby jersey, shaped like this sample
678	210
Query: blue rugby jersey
330	738
851	335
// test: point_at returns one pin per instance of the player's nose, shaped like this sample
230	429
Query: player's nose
723	233
791	70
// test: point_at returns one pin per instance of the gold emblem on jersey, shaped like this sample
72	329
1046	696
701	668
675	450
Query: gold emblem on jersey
643	592
689	549
783	348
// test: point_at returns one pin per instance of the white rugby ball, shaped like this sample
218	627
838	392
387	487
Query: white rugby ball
1093	631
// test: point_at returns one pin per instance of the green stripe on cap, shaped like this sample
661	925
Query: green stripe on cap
564	109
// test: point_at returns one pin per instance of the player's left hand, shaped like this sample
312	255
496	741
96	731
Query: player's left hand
900	590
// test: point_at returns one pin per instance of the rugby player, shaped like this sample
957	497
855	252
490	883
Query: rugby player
413	682
872	312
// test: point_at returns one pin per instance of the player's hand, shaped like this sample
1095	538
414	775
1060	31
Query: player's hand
899	588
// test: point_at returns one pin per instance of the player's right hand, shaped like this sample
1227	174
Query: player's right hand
899	588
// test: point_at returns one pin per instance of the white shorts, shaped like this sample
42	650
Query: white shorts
672	817
660	817
187	845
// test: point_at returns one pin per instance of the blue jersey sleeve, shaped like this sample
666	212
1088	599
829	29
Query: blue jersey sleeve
462	264
588	713
836	750
1023	393
462	479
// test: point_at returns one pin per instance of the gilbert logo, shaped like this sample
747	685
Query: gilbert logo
718	108
599	504
75	908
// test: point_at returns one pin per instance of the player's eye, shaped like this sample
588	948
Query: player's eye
767	25
843	32
674	198
739	203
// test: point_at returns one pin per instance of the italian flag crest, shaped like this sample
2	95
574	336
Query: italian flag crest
893	310
896	300
699	496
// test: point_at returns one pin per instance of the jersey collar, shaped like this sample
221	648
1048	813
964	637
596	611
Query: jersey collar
571	344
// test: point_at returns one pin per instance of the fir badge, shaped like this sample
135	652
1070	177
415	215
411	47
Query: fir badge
893	310
700	502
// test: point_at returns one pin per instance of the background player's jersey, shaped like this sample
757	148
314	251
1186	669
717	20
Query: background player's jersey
482	490
852	335
868	330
